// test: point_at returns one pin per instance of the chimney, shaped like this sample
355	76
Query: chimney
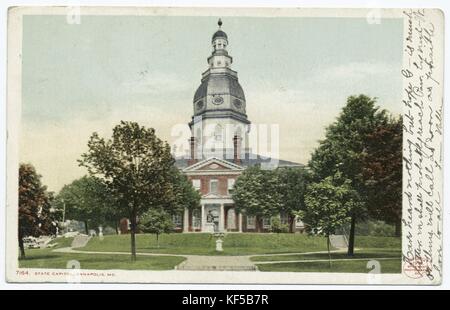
193	158
237	149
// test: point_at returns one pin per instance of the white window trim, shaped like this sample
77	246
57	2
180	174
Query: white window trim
284	219
230	184
253	219
196	219
196	183
264	224
210	186
177	220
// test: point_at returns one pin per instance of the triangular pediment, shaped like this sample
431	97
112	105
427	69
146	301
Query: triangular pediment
213	164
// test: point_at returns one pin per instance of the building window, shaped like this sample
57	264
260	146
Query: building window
177	220
213	186
196	218
231	219
230	185
284	219
251	222
196	184
266	222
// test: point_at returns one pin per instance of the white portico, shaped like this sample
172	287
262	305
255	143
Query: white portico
214	178
218	214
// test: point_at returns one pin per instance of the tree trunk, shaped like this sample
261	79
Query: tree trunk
86	228
157	241
328	248
133	237
117	227
398	228
291	223
351	241
21	246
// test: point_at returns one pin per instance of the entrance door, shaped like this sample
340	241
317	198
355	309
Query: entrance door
213	217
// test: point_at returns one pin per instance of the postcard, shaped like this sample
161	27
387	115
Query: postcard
225	145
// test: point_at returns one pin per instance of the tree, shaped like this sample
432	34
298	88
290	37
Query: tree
136	167
292	186
185	195
343	148
256	192
88	200
329	205
382	170
156	221
35	218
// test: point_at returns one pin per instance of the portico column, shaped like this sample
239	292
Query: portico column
240	222
222	218
203	218
186	220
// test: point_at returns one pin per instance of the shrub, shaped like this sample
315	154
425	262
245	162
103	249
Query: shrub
277	227
375	228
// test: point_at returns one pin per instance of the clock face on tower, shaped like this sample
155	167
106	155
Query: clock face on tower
217	100
237	103
200	105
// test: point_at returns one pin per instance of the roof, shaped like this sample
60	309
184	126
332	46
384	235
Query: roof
219	84
219	33
249	160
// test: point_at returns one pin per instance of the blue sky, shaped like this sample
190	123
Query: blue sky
295	72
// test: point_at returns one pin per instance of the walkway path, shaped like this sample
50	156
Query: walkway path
216	263
80	241
192	262
222	263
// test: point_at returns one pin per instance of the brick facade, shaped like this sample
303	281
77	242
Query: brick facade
205	182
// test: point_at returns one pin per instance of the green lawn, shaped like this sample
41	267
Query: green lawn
204	244
378	242
360	253
388	248
234	244
46	258
387	266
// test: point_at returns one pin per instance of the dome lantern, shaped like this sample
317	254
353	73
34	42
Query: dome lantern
220	95
219	39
